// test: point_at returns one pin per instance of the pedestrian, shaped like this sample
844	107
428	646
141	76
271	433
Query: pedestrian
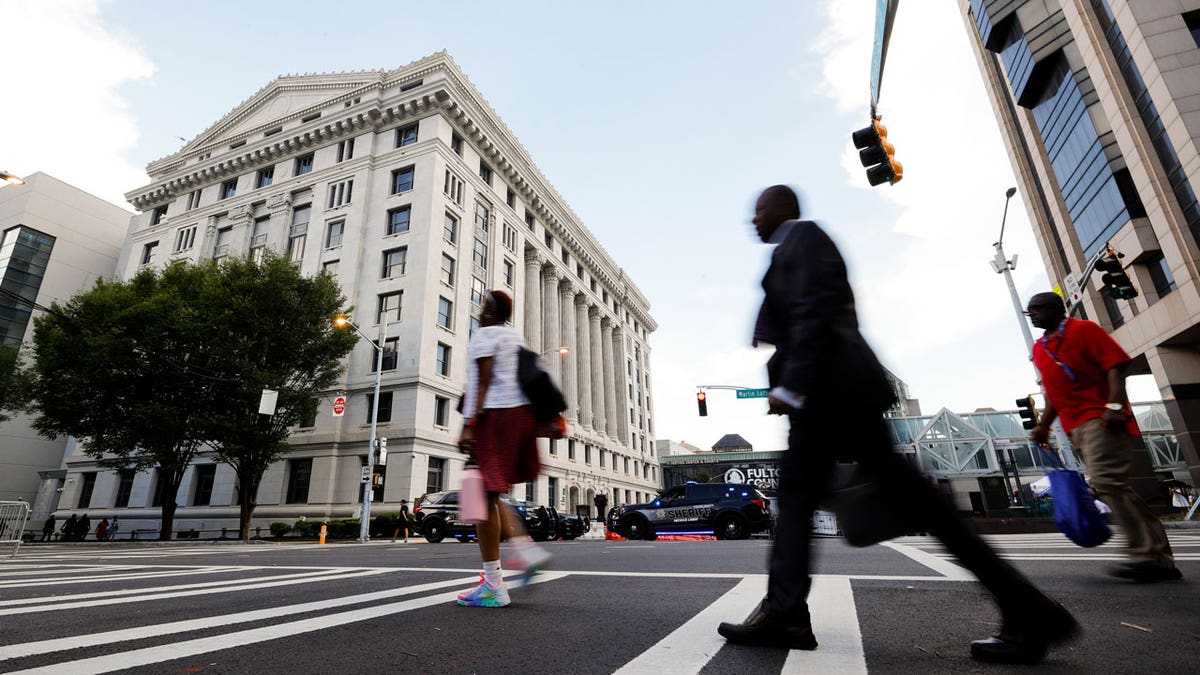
825	377
68	528
402	522
499	432
83	527
113	528
48	528
1083	373
102	530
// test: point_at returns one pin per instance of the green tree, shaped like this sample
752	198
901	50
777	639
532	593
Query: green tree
275	328
10	398
120	367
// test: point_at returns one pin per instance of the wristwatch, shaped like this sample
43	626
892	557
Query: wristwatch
1116	407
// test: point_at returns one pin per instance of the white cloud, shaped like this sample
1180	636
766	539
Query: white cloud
66	115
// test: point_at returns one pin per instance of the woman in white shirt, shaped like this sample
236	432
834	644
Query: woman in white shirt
499	430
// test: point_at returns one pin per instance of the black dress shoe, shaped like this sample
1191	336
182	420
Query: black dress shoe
761	630
1146	573
1009	649
1024	639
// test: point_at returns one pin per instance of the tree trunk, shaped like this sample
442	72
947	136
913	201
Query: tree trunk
248	502
170	493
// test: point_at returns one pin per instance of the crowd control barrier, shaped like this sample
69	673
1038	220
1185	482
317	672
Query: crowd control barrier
13	516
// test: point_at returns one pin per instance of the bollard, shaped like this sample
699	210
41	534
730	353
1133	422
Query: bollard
323	533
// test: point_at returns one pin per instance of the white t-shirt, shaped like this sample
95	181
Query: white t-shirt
501	343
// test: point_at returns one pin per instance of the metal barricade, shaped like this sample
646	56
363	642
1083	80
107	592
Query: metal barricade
13	516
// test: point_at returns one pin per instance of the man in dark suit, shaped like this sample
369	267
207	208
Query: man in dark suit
825	377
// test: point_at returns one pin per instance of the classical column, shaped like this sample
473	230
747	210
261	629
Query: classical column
533	300
621	383
597	347
551	331
610	380
584	361
566	306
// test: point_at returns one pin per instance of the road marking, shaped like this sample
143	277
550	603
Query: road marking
835	623
943	567
61	581
179	650
688	648
79	641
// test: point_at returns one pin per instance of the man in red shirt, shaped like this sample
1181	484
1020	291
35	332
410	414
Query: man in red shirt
1083	373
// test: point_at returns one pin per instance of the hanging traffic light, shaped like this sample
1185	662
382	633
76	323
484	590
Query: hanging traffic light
1115	279
1028	411
877	154
702	403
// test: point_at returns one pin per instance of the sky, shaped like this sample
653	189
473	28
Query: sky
658	123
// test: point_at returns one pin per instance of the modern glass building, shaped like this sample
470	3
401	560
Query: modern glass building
24	255
1098	102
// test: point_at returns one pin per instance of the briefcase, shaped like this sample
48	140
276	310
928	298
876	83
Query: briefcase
862	510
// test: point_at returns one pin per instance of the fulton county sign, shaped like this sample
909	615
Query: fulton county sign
762	477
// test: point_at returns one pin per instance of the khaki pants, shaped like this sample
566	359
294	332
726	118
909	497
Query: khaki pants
1106	455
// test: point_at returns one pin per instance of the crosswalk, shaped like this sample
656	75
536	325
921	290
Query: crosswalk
1053	546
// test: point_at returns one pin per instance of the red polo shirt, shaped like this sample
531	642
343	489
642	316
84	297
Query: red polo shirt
1088	353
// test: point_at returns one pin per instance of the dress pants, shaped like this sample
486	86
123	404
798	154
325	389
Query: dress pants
817	439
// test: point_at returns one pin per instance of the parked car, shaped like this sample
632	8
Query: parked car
571	525
727	510
436	515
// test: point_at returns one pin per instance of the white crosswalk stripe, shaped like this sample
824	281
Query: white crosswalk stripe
1055	546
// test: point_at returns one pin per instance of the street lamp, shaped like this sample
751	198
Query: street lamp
364	529
562	351
10	178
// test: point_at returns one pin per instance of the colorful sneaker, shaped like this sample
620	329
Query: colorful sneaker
484	595
528	561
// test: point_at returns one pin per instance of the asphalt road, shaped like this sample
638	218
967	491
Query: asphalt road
630	607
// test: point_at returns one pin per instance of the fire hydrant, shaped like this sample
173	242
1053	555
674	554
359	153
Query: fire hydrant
323	530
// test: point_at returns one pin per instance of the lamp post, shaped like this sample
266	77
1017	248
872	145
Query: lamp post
11	178
364	529
562	351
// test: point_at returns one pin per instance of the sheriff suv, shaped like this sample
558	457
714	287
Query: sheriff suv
728	510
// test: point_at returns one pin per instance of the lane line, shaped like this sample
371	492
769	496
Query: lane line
839	638
64	581
688	648
943	567
141	632
179	650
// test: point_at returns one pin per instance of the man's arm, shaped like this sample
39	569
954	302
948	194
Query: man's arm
1115	419
1041	432
466	439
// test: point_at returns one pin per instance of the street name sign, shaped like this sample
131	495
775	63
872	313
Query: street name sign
753	393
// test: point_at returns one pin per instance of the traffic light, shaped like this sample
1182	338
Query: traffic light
1028	411
702	403
382	451
877	154
1115	280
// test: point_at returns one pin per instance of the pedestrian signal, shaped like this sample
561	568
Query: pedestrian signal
702	403
1028	411
1116	281
876	154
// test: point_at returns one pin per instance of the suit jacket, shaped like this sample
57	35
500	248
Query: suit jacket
819	352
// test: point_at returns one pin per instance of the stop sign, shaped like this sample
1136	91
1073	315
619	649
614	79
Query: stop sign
339	406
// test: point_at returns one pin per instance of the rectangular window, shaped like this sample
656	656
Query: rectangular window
443	359
566	258
579	272
221	246
340	193
549	241
310	419
384	411
508	272
483	216
485	172
402	180
398	219
298	233
185	238
393	262
345	150
333	233
479	254
124	487
450	228
456	144
229	188
265	177
571	449
330	267
445	313
85	489
205	475
304	164
258	238
441	411
435	479
299	476
391	351
388	307
1160	274
587	454
552	490
510	237
472	326
447	270
406	135
510	198
553	446
478	288
453	188
159	213
193	199
148	252
530	220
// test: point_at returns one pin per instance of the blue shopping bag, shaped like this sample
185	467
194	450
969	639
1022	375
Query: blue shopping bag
1075	512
